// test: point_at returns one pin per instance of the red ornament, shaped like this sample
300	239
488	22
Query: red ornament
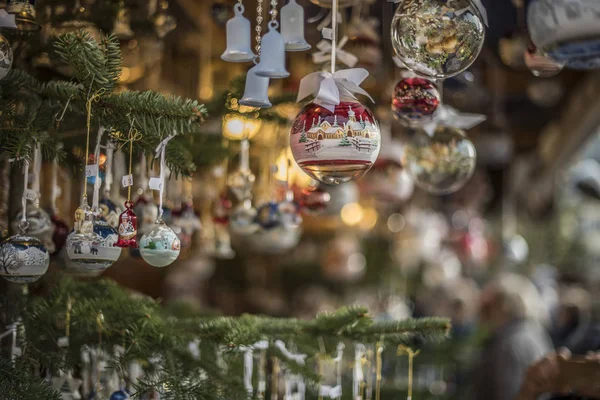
314	200
415	101
127	227
221	210
335	147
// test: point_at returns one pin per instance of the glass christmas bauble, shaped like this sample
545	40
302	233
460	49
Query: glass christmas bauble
242	219
335	147
441	163
241	184
187	219
120	395
388	183
94	251
127	229
437	38
161	246
415	101
6	57
23	259
268	215
277	240
314	200
221	210
540	64
39	225
289	212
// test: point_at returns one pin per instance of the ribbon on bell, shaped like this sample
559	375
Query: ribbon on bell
476	3
324	53
449	116
327	87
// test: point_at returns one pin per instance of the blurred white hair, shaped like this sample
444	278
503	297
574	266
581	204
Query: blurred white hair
521	298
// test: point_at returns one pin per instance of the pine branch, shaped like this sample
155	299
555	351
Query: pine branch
17	382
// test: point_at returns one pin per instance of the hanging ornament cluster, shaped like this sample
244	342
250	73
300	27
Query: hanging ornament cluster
540	64
440	163
23	259
415	101
438	39
161	246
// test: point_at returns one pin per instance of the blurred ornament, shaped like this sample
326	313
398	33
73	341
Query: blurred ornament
238	38
240	126
278	237
446	267
474	248
94	251
545	92
242	219
340	195
241	182
441	163
222	243
39	226
60	233
388	182
365	42
187	219
584	63
6	57
219	12
268	216
122	26
23	259
164	22
292	27
221	210
147	213
127	227
415	101
120	395
540	64
109	211
161	246
335	146
343	259
80	20
24	12
314	199
437	38
329	3
516	249
512	50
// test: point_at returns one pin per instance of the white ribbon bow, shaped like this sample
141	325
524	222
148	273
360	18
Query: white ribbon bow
476	3
298	358
324	53
7	20
327	87
451	117
160	152
333	392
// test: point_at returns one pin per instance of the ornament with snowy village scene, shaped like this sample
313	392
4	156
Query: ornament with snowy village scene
415	101
39	226
23	259
437	38
161	246
335	147
94	251
6	57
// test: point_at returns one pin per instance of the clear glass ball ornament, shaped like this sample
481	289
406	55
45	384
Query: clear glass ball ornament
441	163
93	251
6	57
335	147
540	64
161	246
241	184
314	200
39	226
280	228
437	38
242	220
415	101
23	259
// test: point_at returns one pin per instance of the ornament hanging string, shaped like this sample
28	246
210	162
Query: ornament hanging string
108	177
133	136
160	153
96	191
89	103
378	363
402	349
37	170
334	17
23	224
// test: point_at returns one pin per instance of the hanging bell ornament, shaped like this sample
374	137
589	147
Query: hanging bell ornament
256	91
127	227
238	38
272	57
292	27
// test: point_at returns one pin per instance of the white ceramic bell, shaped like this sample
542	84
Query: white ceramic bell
272	56
292	27
256	91
238	38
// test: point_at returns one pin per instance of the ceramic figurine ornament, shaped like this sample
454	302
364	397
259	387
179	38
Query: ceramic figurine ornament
127	227
238	38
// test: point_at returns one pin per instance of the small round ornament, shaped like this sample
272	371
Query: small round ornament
161	246
540	64
314	200
95	251
335	147
441	163
437	38
6	57
39	226
23	259
120	395
268	215
289	212
415	101
242	219
127	229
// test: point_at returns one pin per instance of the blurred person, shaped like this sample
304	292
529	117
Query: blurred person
512	311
